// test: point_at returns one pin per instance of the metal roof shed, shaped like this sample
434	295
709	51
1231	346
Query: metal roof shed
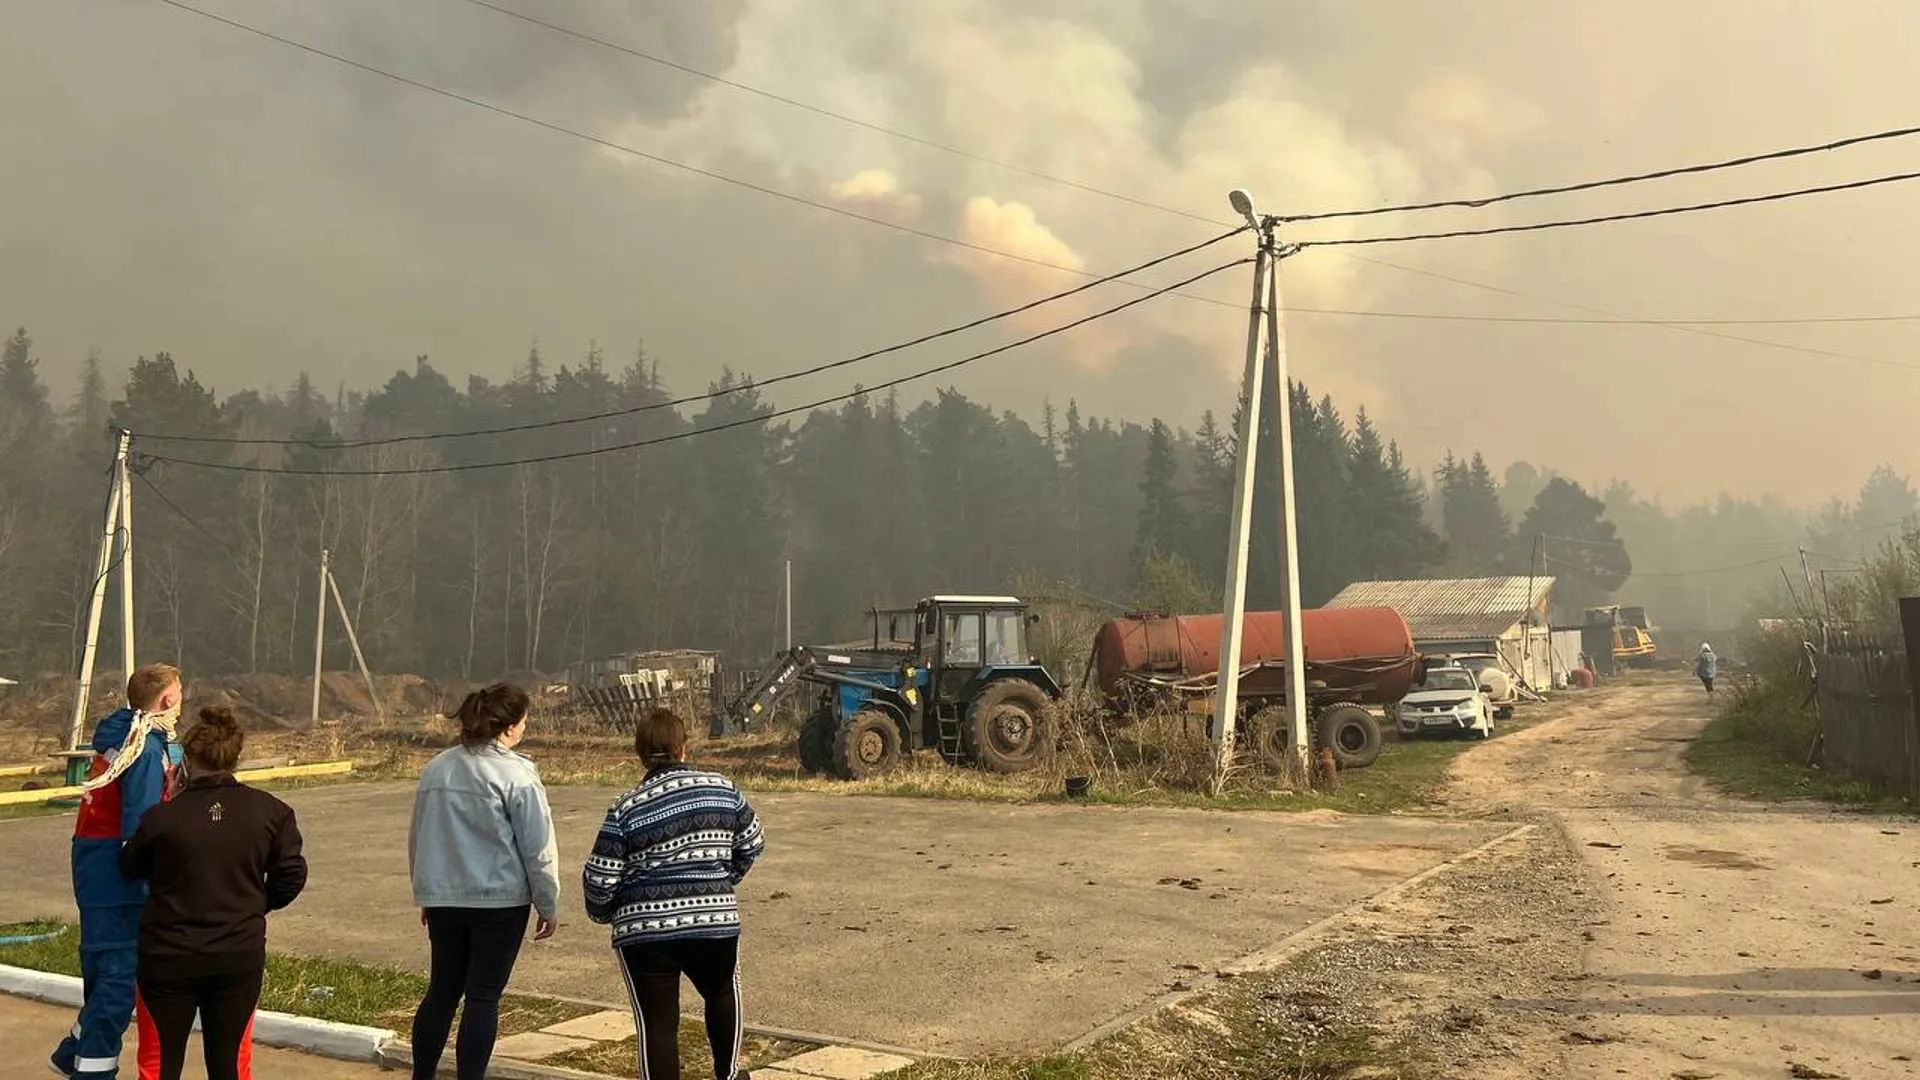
1488	613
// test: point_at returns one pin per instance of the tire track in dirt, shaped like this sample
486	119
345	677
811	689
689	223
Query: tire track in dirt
1726	938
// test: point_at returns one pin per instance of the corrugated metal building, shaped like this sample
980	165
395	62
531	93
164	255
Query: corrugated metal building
1470	615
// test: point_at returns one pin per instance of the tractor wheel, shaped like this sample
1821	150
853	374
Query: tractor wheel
1269	736
1008	729
1351	732
816	743
868	744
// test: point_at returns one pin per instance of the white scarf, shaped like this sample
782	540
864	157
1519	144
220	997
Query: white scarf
119	760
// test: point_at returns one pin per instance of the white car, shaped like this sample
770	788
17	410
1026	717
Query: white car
1450	702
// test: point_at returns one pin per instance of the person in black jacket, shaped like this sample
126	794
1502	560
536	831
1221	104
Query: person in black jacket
216	858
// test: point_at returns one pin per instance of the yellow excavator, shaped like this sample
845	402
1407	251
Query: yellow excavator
1632	634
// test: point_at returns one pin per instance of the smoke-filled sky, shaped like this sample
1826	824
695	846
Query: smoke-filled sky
171	183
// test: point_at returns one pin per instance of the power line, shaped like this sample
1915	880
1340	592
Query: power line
961	152
1680	573
623	148
1590	185
923	339
183	515
922	233
1665	211
1684	328
1440	316
918	140
745	421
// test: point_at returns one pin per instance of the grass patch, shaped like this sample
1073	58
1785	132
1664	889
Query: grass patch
336	990
696	1058
1728	754
1758	745
1234	1035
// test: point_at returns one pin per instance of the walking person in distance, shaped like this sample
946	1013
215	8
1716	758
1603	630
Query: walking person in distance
217	858
662	875
483	859
1706	666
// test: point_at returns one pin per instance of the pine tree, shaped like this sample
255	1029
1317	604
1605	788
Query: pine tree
1584	553
1479	536
20	385
1163	522
1390	537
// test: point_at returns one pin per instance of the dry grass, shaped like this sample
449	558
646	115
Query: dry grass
696	1058
1157	758
1246	1033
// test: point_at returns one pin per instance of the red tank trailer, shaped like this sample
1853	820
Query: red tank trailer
1355	657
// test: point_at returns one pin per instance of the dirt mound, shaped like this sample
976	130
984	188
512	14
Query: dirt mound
262	702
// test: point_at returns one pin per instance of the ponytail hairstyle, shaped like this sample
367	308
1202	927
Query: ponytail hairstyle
489	713
660	738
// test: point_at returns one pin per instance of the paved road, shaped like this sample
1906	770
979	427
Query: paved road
32	1030
1735	939
963	928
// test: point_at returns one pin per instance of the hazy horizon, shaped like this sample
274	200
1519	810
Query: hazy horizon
178	185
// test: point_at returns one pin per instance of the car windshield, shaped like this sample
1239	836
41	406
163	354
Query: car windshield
1449	679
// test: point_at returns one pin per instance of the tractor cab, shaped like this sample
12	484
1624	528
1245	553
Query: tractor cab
964	639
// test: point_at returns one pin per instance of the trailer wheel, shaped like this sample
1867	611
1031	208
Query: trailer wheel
816	743
1352	733
1270	736
1008	727
868	744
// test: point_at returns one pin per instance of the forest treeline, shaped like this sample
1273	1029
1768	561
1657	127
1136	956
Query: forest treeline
472	572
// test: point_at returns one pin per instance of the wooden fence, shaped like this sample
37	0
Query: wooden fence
1867	719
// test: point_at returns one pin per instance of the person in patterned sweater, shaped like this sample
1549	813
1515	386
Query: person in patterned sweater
662	875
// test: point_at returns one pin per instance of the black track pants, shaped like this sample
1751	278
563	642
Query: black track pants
653	973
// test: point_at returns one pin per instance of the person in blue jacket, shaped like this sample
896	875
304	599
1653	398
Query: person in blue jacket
1706	666
136	766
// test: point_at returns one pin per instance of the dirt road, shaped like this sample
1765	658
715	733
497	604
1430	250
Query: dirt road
1723	938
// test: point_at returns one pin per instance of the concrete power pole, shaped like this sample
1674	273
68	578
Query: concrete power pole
118	526
1263	315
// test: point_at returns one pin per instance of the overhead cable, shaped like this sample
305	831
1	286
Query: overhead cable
742	422
1635	215
634	151
918	140
962	152
1696	329
349	444
1615	181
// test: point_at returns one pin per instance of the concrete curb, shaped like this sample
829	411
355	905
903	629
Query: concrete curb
399	1055
324	1038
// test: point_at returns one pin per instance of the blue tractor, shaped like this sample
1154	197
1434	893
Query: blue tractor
953	674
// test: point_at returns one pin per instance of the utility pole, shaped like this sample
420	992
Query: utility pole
1536	561
1806	572
353	639
319	633
1293	637
125	469
330	588
788	591
1263	314
118	504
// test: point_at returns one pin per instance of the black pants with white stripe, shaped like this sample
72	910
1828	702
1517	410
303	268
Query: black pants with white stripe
653	973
